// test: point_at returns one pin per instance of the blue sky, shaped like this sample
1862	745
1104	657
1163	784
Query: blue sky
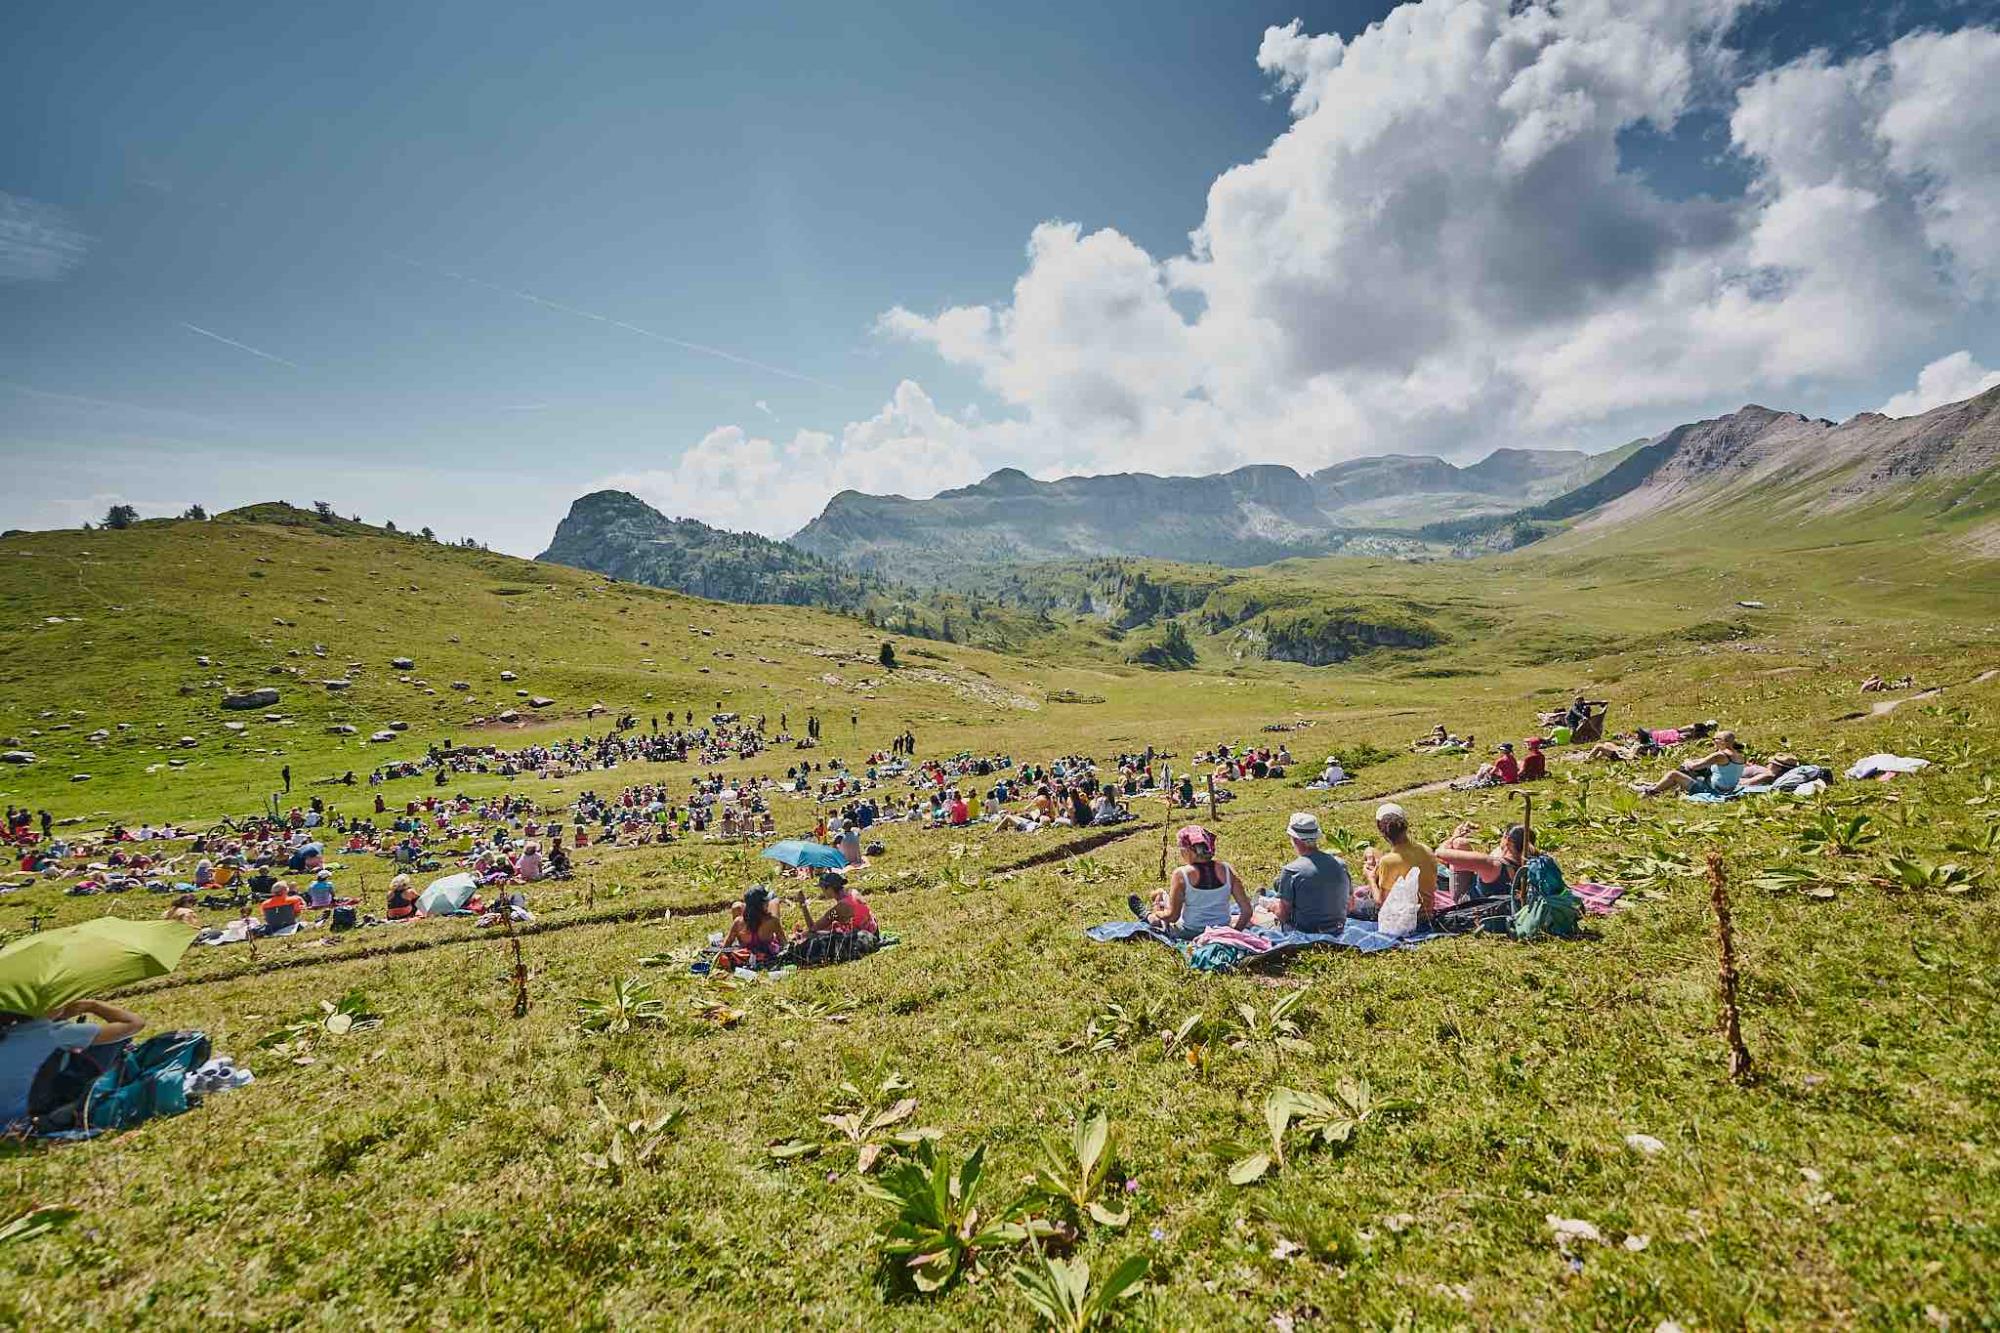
457	263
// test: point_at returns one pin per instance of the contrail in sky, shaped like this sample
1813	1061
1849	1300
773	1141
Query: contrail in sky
681	343
241	347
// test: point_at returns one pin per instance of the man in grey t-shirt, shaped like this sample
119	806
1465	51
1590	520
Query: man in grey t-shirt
1311	891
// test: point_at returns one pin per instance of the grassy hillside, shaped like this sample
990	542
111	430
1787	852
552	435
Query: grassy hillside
454	1166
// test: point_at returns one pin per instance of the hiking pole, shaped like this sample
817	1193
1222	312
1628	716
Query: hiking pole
1212	817
1527	841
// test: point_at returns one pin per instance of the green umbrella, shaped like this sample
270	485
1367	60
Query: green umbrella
41	973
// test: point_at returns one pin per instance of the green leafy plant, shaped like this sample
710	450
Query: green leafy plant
817	1011
299	1039
1271	1029
1073	1173
868	1124
1120	1025
632	1143
1299	1227
1063	1296
1831	833
1985	843
628	1004
1917	875
1330	1119
934	1233
38	1220
1794	879
1344	842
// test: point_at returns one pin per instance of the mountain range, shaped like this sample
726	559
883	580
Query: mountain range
867	550
1250	516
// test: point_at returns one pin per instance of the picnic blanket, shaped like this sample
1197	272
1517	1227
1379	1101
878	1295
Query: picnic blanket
1226	950
1221	956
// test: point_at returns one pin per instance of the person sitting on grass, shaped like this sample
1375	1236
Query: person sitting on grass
1716	773
1475	874
1503	770
1381	870
1312	890
849	912
320	892
1202	892
754	926
183	911
282	910
403	897
1535	766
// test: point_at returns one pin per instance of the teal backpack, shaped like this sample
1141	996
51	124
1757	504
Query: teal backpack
1548	908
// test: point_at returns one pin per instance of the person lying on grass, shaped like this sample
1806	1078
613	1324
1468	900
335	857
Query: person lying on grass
1383	869
754	925
1476	874
27	1043
1200	893
1716	773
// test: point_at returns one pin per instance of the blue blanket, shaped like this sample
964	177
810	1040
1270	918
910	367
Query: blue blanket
1358	935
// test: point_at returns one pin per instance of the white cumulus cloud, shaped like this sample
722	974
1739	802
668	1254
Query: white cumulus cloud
1445	251
735	479
1949	379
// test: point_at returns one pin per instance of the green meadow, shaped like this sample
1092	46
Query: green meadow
718	1158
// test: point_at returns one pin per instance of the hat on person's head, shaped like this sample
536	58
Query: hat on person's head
1304	826
1389	810
1534	742
1508	746
832	879
1195	838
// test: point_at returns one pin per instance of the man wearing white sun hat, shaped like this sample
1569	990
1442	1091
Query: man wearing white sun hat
1312	890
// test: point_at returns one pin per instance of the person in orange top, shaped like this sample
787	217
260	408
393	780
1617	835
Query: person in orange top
282	909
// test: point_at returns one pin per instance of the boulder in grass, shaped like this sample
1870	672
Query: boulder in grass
202	661
250	699
507	675
79	777
402	663
509	715
232	726
340	729
399	726
188	742
540	701
17	756
461	685
337	684
382	736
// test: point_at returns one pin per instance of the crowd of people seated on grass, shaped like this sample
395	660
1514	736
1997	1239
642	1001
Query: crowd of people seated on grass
718	742
1234	763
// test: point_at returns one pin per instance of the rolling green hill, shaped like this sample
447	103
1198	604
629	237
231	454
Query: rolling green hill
462	1166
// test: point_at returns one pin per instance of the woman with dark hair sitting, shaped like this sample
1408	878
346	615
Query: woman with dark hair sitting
754	927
